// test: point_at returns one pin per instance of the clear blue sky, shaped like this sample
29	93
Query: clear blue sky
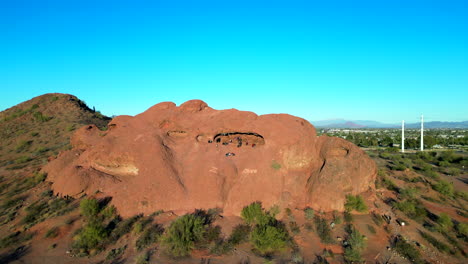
372	60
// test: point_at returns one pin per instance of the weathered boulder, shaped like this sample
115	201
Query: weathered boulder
192	156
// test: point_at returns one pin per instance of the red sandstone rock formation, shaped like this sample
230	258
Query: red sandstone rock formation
192	156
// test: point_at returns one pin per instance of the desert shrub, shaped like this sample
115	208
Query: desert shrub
239	234
348	217
371	229
70	127
38	116
462	194
150	236
462	228
275	165
52	232
444	188
442	247
34	212
274	210
268	238
252	213
294	227
378	220
445	222
355	203
389	184
337	218
182	235
144	258
412	209
109	212
323	230
443	163
309	213
115	253
89	208
90	236
385	155
356	243
22	159
123	228
409	251
23	145
408	193
453	171
15	239
141	224
399	166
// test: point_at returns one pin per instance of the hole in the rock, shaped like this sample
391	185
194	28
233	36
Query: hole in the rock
240	139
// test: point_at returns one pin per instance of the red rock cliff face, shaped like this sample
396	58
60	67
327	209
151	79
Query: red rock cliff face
192	156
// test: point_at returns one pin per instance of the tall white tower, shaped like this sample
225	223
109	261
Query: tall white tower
403	136
422	132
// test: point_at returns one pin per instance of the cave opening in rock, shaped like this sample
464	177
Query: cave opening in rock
240	139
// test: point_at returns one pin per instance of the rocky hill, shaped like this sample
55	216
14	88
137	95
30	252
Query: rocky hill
192	156
41	127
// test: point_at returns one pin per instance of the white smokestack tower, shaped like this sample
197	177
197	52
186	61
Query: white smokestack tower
403	136
422	132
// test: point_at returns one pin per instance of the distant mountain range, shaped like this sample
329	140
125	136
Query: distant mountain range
342	123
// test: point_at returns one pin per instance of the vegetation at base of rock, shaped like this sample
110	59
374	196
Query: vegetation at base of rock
252	213
150	236
355	202
323	230
309	213
89	207
183	234
268	235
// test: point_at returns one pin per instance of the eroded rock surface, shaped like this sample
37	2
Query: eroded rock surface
192	156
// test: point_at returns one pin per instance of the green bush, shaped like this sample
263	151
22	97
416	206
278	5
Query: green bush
355	203
115	253
371	229
413	209
23	145
252	213
40	117
445	222
356	243
275	165
409	251
123	228
150	236
408	193
239	234
183	234
269	238
51	233
432	174
89	208
309	213
462	228
294	227
323	230
442	247
453	171
15	239
90	236
444	188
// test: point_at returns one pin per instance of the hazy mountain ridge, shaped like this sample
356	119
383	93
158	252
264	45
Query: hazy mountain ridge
342	123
